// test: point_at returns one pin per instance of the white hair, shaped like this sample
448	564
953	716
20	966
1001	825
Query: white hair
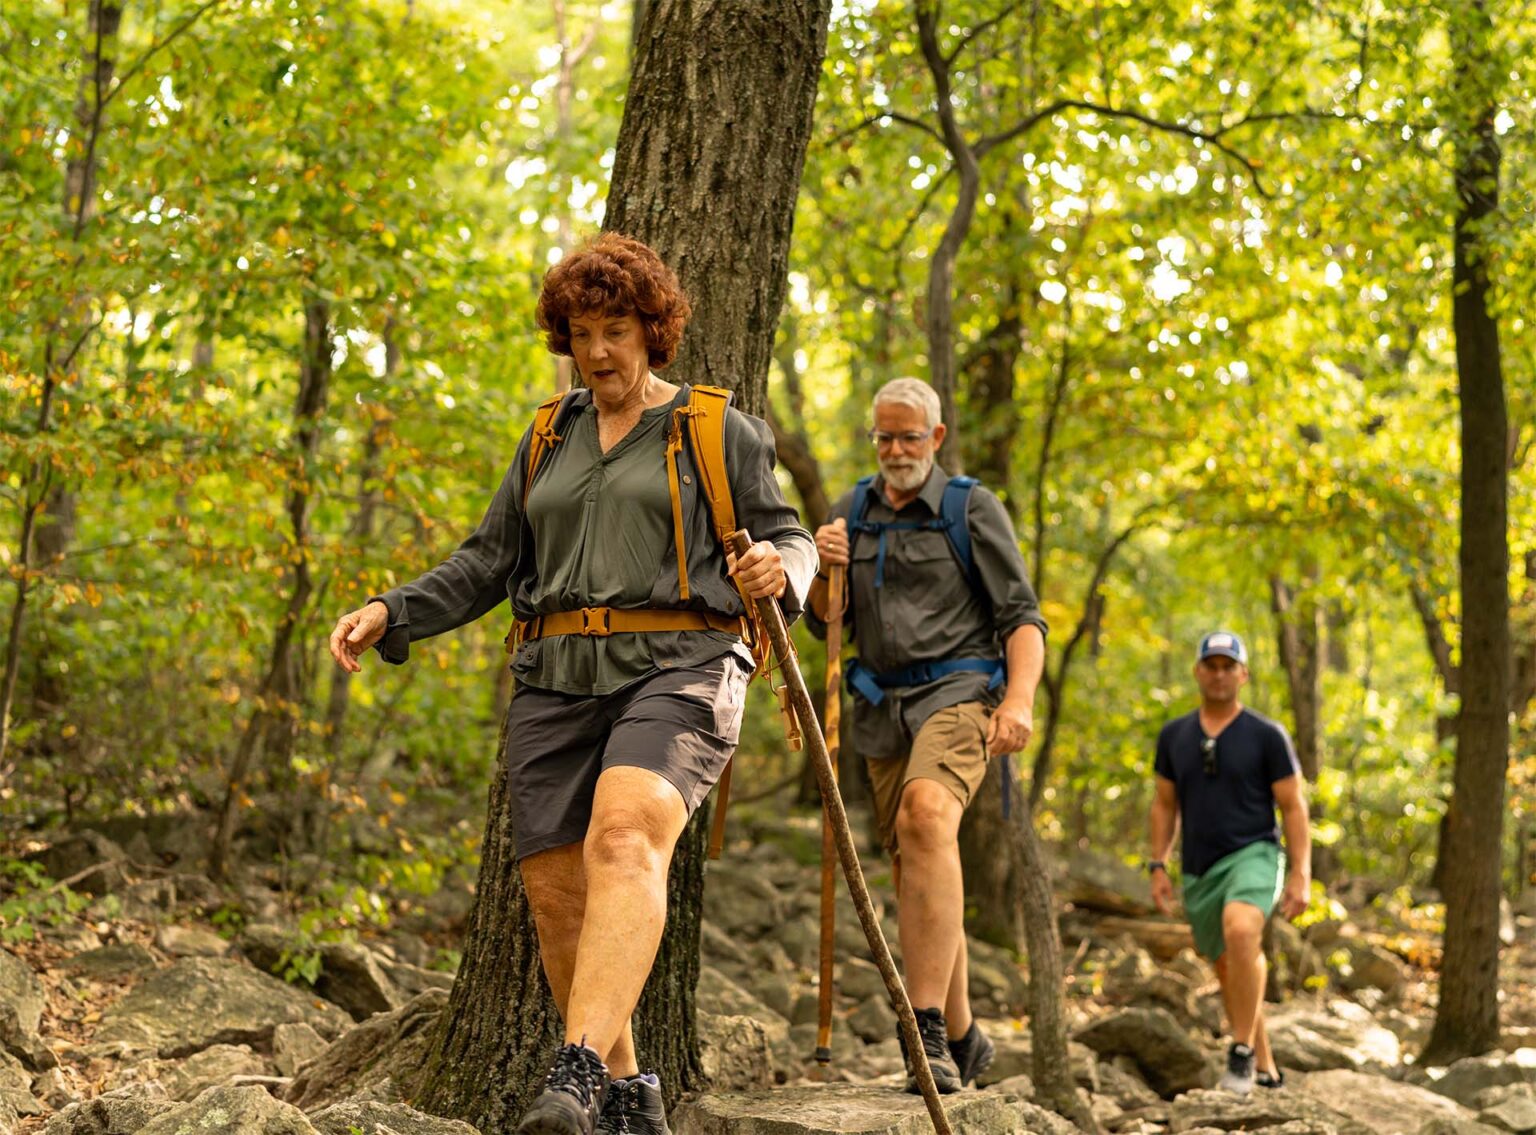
913	392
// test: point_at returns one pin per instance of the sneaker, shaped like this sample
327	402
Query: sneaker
1238	1078
633	1107
930	1026
1266	1080
572	1097
972	1054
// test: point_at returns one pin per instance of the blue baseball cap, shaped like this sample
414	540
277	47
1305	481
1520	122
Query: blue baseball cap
1223	643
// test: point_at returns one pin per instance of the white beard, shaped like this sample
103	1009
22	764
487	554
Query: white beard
906	475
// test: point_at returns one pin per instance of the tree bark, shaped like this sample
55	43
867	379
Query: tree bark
1467	1016
1299	629
714	131
1055	1086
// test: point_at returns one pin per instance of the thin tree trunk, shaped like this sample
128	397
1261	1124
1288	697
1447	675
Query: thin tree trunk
715	129
1299	630
1467	1016
48	507
1055	1086
272	703
361	532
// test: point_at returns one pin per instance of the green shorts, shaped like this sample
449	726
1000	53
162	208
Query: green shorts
1254	874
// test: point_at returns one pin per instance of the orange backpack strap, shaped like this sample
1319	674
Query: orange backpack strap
707	407
544	438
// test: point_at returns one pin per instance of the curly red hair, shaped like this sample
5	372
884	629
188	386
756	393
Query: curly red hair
616	275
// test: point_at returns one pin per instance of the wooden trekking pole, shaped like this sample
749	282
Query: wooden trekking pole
772	620
833	715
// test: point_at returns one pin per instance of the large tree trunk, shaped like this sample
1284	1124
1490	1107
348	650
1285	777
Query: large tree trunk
714	131
1467	1017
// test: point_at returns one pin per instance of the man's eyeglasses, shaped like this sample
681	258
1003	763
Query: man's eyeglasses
1208	754
908	440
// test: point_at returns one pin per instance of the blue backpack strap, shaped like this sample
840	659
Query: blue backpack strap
858	509
952	509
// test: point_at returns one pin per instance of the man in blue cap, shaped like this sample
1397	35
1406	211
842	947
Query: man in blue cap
1222	770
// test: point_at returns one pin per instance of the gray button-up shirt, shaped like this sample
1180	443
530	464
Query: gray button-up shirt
926	610
598	533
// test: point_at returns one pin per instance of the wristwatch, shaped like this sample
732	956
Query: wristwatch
1156	865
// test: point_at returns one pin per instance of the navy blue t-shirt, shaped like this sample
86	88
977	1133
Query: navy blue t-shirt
1225	811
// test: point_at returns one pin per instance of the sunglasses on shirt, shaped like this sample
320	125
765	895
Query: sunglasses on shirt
1208	754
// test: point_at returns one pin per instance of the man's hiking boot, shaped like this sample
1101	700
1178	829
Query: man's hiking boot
633	1107
972	1054
572	1097
930	1026
1238	1078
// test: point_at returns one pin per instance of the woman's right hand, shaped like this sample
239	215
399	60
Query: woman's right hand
355	632
832	543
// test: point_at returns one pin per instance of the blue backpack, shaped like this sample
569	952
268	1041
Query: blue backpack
950	521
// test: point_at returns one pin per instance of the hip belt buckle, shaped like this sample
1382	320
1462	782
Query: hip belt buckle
595	622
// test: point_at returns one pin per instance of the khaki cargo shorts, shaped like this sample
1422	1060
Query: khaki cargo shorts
950	747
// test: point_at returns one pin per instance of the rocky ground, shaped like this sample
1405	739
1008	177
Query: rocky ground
138	1017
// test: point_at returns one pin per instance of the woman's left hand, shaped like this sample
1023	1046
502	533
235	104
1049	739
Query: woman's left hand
761	570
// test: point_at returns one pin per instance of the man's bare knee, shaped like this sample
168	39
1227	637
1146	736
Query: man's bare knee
928	817
1242	932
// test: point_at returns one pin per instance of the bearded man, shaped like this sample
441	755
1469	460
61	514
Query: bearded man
951	646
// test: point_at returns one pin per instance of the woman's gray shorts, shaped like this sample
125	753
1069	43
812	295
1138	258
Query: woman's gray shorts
681	724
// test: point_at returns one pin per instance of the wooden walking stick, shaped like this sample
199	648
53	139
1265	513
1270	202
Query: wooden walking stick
833	715
772	619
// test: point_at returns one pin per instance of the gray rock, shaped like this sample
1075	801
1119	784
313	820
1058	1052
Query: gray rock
231	1111
374	1118
1386	1107
295	1045
81	852
350	976
121	1112
411	980
806	1009
718	948
847	1049
1265	1110
735	1053
829	1109
53	1088
719	994
873	1021
122	959
198	1002
190	942
1442	1126
16	1086
741	902
1493	1097
1166	1055
1463	1080
860	979
215	1065
8	1118
1342	1035
774	990
1372	967
1127	1089
21	1011
1002	985
386	1046
264	945
1516	1113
